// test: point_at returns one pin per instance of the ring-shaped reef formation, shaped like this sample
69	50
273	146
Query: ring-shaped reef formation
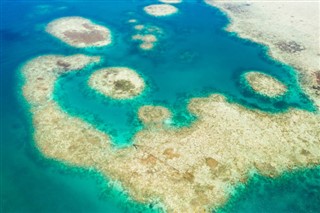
79	32
159	10
117	82
264	84
189	169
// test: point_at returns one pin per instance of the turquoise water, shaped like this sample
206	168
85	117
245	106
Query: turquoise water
185	64
291	192
215	64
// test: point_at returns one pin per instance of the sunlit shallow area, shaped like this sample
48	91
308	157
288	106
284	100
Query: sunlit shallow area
130	94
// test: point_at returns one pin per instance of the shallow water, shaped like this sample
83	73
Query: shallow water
185	64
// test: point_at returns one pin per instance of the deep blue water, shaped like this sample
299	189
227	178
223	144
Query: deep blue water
215	60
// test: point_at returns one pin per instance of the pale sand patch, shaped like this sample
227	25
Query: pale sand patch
153	115
171	1
79	32
160	10
265	84
188	169
289	28
117	82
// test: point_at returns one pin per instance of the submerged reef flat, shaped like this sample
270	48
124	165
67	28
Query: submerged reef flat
190	169
79	32
153	115
132	21
117	82
289	29
264	84
139	27
42	72
160	10
147	40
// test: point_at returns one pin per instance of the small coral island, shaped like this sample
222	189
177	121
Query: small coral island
117	82
160	9
79	32
264	84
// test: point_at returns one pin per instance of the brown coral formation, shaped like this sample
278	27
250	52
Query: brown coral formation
188	169
264	84
79	32
117	82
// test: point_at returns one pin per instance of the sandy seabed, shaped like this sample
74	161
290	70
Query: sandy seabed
190	169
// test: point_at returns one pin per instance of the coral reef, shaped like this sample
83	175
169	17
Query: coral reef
264	84
117	82
79	32
189	169
160	10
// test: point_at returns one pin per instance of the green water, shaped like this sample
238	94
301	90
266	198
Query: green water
185	64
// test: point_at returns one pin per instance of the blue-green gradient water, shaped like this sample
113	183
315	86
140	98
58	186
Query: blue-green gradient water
193	58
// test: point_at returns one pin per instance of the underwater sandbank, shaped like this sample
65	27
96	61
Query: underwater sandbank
132	21
148	40
79	32
186	169
139	27
117	82
264	84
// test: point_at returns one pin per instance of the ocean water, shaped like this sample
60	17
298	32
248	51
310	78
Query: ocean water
193	58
